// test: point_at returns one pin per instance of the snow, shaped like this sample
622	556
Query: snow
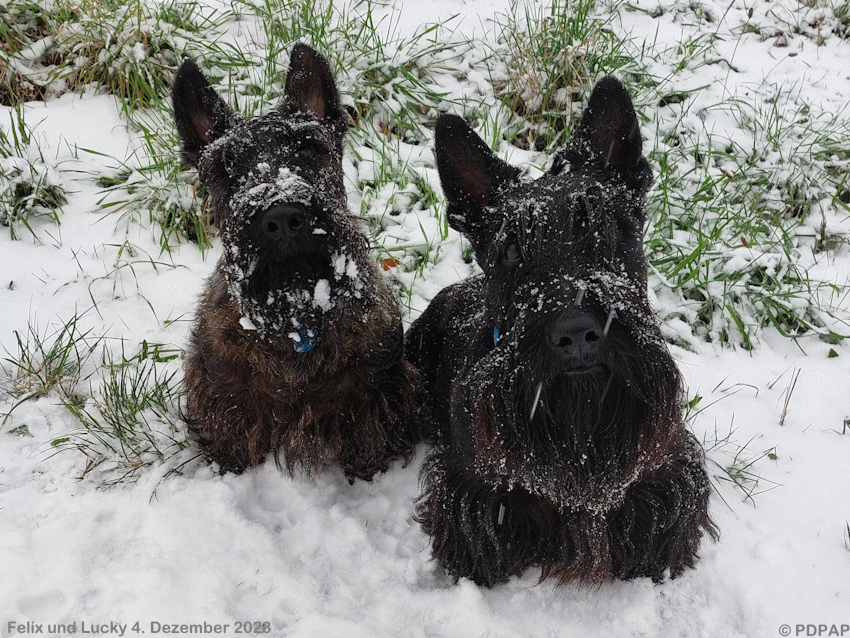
318	558
322	295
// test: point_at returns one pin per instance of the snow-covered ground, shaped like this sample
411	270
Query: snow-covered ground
264	554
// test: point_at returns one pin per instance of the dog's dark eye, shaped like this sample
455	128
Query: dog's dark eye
512	255
306	153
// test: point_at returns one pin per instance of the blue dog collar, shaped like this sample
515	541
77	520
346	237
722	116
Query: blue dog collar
305	342
496	336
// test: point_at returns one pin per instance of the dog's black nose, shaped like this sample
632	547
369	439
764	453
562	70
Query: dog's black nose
575	335
283	222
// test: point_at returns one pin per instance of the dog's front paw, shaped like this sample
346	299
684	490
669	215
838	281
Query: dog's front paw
478	530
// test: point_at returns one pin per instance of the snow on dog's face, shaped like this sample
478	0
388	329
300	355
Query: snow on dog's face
571	377
290	245
292	252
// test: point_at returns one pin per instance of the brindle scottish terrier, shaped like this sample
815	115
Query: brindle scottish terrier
297	345
554	402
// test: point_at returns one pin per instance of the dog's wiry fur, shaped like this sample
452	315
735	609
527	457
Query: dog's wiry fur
295	270
554	402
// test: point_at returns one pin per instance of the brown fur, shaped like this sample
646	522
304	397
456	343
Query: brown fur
251	397
349	399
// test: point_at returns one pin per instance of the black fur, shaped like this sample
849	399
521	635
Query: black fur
553	401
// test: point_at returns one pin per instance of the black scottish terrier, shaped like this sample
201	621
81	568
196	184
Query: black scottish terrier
297	345
554	402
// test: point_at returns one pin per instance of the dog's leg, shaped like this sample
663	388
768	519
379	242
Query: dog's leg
660	525
428	346
218	414
380	429
480	531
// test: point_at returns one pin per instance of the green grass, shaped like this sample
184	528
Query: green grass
129	48
132	421
47	362
550	57
726	215
726	212
21	24
127	409
27	193
841	11
732	462
736	464
153	188
29	188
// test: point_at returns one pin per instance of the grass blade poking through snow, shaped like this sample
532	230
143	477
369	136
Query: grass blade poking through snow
48	362
729	217
133	419
29	188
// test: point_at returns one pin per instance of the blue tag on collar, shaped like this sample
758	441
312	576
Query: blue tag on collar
495	336
306	342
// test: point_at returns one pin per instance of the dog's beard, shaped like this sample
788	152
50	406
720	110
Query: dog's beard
293	296
577	439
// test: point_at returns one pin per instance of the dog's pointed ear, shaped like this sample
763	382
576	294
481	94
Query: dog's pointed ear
310	86
609	127
199	112
608	135
470	173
